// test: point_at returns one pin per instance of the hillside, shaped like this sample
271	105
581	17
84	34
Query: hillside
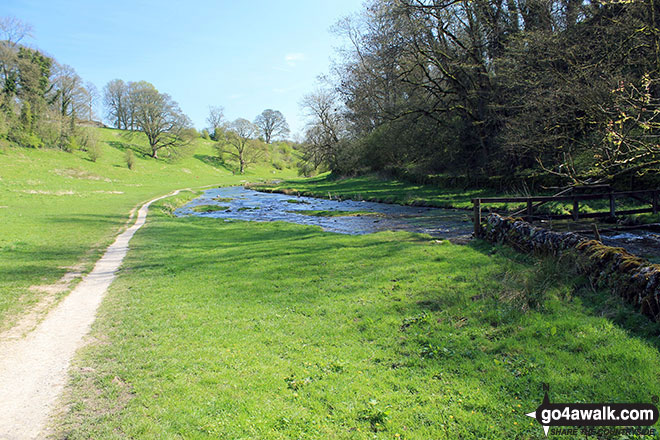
60	209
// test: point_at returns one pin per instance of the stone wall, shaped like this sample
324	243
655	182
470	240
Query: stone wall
634	279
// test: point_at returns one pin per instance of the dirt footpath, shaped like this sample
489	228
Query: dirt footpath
33	368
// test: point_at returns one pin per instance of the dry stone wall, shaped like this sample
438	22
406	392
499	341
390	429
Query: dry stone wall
634	279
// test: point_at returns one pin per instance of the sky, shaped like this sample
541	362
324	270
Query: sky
245	56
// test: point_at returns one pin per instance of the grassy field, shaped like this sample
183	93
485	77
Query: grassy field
243	330
59	210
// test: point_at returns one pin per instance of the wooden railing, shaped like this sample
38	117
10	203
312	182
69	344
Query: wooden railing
649	197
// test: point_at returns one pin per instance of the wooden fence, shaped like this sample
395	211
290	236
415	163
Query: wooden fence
648	197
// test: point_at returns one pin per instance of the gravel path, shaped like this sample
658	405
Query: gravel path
33	369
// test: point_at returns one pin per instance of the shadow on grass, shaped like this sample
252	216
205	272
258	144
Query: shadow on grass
217	162
123	147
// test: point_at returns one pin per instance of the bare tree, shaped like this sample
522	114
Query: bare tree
215	119
326	130
115	98
160	118
238	141
271	123
13	30
91	98
69	91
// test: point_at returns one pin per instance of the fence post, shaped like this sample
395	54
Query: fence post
477	217
530	207
612	205
655	201
575	210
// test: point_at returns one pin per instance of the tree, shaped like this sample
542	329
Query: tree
271	123
115	99
159	118
13	30
326	130
238	141
215	119
70	94
91	97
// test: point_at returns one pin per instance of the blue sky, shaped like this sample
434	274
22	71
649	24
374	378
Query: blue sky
243	55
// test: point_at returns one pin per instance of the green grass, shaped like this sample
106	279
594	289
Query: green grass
372	188
299	202
322	213
223	199
209	208
274	330
59	209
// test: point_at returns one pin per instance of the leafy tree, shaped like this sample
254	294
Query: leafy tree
238	140
271	124
159	117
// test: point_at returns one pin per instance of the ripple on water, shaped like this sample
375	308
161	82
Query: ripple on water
366	217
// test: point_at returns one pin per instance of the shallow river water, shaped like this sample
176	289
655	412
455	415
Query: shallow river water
246	204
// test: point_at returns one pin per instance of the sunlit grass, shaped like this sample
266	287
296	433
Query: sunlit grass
58	209
273	330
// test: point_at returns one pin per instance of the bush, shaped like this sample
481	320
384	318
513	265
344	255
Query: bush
70	144
87	138
94	152
25	139
129	157
277	165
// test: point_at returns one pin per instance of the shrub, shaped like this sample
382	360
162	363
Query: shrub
25	139
94	152
129	157
70	144
88	138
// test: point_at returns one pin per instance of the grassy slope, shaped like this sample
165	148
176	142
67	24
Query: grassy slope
273	330
57	207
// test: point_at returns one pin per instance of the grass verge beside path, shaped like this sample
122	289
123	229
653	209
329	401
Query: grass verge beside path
59	209
272	330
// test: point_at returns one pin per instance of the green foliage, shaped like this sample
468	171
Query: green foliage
562	91
24	138
26	118
94	151
129	159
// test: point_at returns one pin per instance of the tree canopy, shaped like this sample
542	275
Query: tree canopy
271	124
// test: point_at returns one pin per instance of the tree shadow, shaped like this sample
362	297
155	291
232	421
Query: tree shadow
217	162
123	147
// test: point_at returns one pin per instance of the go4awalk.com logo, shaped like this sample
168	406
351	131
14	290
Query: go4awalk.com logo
592	418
